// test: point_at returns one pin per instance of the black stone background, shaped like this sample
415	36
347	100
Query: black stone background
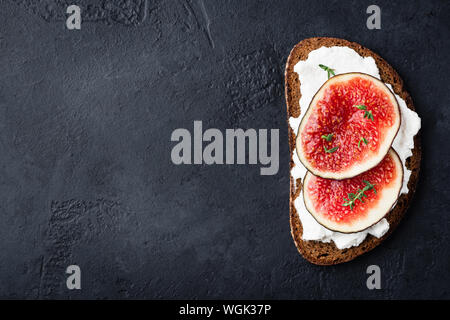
85	170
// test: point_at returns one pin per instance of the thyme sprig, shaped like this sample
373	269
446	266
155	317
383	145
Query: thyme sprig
329	71
352	197
327	137
330	150
367	114
363	140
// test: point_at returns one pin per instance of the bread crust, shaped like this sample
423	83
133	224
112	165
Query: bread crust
327	253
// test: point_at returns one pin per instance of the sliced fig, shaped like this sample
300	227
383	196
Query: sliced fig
354	204
349	126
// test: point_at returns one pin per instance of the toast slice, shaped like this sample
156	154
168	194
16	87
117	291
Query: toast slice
327	253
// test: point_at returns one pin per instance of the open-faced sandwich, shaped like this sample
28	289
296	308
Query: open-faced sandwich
354	149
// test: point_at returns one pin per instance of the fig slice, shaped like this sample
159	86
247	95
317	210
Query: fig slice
349	126
354	204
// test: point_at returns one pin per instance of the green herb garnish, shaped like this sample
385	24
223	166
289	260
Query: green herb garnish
329	71
330	150
367	114
327	136
363	140
352	197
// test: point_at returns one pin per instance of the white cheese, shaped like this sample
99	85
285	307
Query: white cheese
343	60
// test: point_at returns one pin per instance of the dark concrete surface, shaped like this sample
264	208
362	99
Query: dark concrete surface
85	170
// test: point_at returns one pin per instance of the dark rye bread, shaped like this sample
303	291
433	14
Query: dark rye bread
327	253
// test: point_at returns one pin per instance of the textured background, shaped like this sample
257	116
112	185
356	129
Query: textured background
85	170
